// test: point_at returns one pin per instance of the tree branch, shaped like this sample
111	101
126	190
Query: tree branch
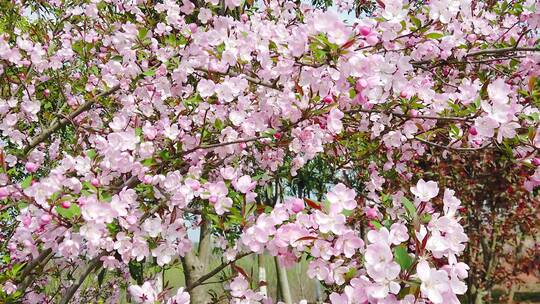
95	263
64	121
215	271
449	118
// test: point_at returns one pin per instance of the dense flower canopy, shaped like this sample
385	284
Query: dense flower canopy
126	123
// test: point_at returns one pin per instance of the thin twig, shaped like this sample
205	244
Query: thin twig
215	271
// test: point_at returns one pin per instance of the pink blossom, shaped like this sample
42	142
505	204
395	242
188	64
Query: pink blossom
425	191
145	294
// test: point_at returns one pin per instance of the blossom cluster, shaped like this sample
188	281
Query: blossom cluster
124	125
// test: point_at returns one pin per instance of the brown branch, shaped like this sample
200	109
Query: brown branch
450	147
95	263
404	115
64	121
215	271
248	78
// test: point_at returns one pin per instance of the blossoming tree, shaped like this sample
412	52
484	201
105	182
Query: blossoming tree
127	123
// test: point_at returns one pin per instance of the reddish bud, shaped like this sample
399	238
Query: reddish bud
473	131
46	93
403	94
364	30
4	192
95	182
371	213
27	221
328	99
413	113
536	161
277	135
45	219
297	205
66	204
361	84
31	167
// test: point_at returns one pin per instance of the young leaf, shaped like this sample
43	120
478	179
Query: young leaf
402	257
27	181
409	206
312	204
434	35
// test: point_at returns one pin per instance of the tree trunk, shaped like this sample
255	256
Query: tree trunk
262	275
196	265
479	296
283	282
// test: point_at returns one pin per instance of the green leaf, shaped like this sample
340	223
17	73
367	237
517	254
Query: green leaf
69	213
409	206
101	276
91	153
136	271
142	33
416	22
151	72
27	181
434	35
402	257
376	224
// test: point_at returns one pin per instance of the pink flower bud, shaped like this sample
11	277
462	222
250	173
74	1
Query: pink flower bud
364	30
372	39
403	94
297	205
66	204
413	113
4	192
361	84
47	92
371	213
193	27
95	182
328	99
147	179
277	135
31	167
45	219
132	219
27	221
473	131
536	161
244	17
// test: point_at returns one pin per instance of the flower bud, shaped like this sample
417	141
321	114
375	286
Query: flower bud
473	131
328	99
536	161
297	205
95	182
371	213
66	204
361	84
364	30
4	192
31	167
45	219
